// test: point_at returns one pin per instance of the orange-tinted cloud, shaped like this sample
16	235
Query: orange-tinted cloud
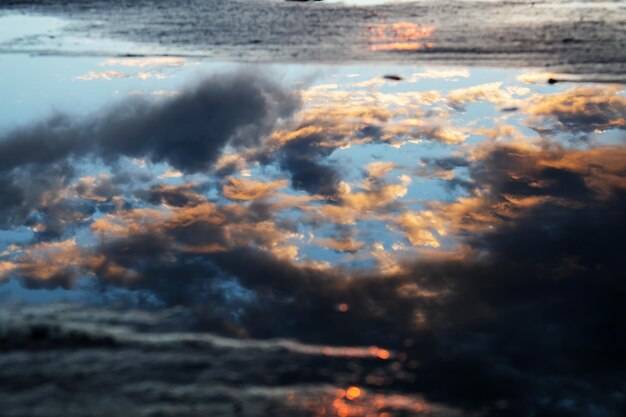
245	190
581	109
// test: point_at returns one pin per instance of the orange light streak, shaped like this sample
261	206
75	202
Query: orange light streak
400	36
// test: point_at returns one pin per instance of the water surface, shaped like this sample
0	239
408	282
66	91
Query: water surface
333	215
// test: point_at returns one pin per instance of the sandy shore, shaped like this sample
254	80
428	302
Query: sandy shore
577	37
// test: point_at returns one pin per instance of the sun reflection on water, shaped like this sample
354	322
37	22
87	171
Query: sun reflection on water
356	401
400	36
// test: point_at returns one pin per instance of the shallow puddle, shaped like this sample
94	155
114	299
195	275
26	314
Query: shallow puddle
368	239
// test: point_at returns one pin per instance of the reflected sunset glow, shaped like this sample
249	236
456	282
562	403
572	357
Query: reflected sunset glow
309	241
400	36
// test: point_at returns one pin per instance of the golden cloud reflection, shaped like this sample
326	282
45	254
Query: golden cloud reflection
400	36
475	157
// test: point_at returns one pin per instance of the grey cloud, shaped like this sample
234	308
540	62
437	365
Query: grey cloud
179	196
532	325
302	158
29	195
187	131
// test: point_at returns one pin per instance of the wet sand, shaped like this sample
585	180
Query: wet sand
576	37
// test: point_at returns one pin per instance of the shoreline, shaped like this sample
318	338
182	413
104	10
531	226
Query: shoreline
584	41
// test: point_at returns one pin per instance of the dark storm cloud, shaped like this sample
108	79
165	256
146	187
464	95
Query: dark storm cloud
532	326
529	322
262	297
187	131
29	196
11	197
303	158
45	143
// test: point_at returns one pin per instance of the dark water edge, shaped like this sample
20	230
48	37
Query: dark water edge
555	35
64	360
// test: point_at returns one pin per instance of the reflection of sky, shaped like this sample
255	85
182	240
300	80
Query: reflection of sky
432	113
371	239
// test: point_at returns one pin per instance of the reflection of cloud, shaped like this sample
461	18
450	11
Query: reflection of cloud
582	109
165	93
442	74
5	268
522	253
302	157
110	75
346	118
162	61
386	262
245	190
187	131
486	283
350	206
185	194
603	170
171	173
492	92
230	163
379	168
418	228
375	196
433	129
519	179
99	188
105	75
47	264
